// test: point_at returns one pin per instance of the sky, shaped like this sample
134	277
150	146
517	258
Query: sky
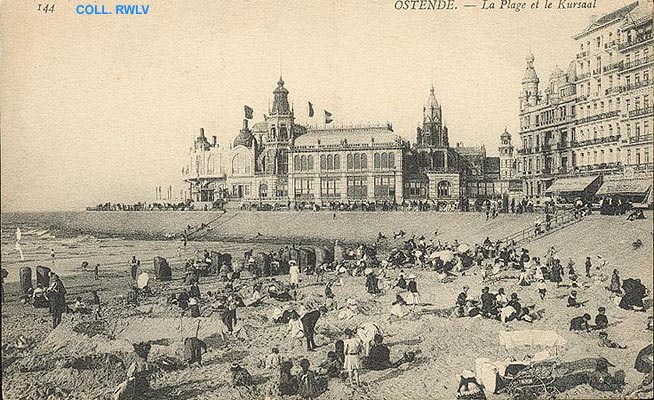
98	108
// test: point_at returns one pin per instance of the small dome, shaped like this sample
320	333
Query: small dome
530	57
530	75
556	73
505	135
280	86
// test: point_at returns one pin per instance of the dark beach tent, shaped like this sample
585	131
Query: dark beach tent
43	276
26	279
339	253
324	255
294	254
226	259
284	258
216	261
162	269
307	260
263	261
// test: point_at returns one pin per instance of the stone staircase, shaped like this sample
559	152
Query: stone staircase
559	221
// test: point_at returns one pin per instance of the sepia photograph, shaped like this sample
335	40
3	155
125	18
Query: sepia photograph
329	199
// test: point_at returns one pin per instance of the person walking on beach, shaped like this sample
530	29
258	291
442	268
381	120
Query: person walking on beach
56	293
294	272
134	264
52	254
309	320
96	272
589	265
412	287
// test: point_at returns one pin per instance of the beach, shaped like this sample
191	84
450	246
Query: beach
82	359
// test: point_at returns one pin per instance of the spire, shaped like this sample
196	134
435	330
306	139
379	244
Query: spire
280	102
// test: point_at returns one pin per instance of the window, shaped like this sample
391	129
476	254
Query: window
304	163
385	186
330	162
391	160
310	163
328	187
357	161
304	188
443	188
384	160
376	161
357	187
297	165
350	162
337	161
263	191
646	155
628	157
323	162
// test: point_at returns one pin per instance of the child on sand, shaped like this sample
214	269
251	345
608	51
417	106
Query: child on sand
352	348
542	288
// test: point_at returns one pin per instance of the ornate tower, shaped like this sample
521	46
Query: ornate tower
529	94
432	133
272	159
506	156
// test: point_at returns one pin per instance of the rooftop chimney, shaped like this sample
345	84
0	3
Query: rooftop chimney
245	124
214	140
201	132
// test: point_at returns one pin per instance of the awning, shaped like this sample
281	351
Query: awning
626	187
571	185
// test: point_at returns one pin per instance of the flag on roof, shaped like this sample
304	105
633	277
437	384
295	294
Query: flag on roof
249	112
310	109
328	117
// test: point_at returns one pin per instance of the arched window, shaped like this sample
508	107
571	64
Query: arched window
296	163
357	161
350	163
330	162
310	163
443	189
375	161
391	160
305	165
337	161
263	190
364	161
384	160
323	162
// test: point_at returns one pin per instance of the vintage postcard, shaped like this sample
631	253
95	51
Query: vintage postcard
328	199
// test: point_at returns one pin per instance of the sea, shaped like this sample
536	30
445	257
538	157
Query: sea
45	240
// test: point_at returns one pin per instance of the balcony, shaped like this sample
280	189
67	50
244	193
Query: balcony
610	44
641	139
635	85
597	71
599	140
638	62
582	97
611	90
555	121
641	111
582	54
637	40
616	65
583	76
598	117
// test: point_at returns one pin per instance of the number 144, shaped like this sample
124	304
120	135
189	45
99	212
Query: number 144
46	8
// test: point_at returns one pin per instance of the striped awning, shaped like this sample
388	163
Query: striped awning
571	185
625	187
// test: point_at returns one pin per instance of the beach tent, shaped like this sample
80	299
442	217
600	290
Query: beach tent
263	261
25	274
43	276
162	270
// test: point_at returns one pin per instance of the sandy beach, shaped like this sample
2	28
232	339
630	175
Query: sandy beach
85	359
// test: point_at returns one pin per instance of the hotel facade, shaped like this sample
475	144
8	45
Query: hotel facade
590	126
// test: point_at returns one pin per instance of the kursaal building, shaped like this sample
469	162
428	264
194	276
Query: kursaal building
279	161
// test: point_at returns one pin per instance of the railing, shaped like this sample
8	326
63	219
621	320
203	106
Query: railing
611	67
633	42
582	54
614	89
598	117
556	121
640	61
558	221
597	71
583	76
610	44
641	111
607	139
633	86
582	97
641	139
